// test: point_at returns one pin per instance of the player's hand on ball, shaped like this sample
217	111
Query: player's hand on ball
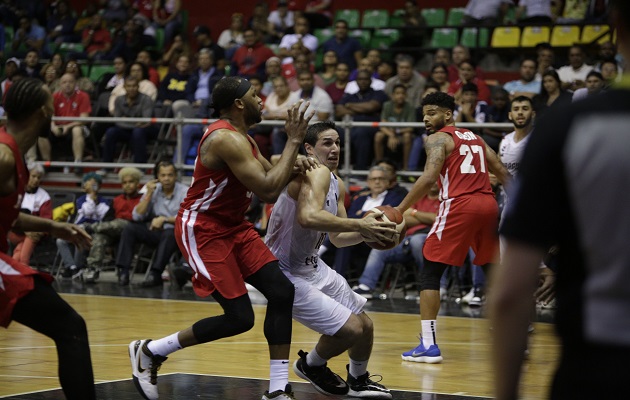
387	236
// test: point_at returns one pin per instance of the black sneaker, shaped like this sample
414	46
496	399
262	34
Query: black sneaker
363	386
286	394
91	275
322	378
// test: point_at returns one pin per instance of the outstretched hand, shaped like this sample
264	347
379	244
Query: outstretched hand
297	123
373	230
71	233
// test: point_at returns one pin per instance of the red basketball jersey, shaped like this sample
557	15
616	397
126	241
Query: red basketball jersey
217	193
465	170
10	205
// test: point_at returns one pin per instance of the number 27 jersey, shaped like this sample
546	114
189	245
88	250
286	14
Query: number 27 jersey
465	170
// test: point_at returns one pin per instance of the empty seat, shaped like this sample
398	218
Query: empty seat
532	35
444	37
474	37
384	38
349	15
434	16
396	20
565	35
375	19
595	33
455	16
324	34
505	36
362	35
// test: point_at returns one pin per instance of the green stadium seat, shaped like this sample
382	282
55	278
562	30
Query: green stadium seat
396	20
99	70
434	16
184	14
506	36
352	16
324	34
362	35
384	38
8	40
67	48
444	37
564	35
532	35
375	19
474	37
455	16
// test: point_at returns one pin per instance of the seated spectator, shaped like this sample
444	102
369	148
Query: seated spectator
11	68
526	85
144	57
485	12
594	84
301	36
132	104
96	40
573	76
607	52
153	218
120	65
31	65
329	64
610	72
385	71
232	38
173	86
276	106
250	58
280	20
497	112
406	76
551	93
365	65
178	47
397	109
51	79
68	102
461	53
113	10
28	36
467	75
302	63
83	83
439	75
273	69
532	12
347	49
60	26
371	61
469	108
320	101
545	57
138	71
56	60
199	88
419	220
442	56
365	105
204	41
337	89
259	23
36	202
167	16
107	232
90	208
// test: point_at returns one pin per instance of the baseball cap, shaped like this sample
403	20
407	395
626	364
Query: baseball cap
201	29
13	59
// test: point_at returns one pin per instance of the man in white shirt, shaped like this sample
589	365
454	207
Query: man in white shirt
301	35
319	100
534	12
573	76
485	12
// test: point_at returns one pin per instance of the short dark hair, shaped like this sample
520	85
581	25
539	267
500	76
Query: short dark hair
439	99
595	74
399	86
470	87
24	98
163	163
530	59
145	70
313	131
520	99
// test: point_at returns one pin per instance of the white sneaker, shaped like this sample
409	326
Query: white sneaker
286	394
467	297
144	366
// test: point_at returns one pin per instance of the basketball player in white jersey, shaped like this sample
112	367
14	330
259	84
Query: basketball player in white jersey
310	206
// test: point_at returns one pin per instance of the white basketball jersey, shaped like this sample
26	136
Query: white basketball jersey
295	247
511	152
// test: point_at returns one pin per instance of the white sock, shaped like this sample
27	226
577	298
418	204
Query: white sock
278	375
358	368
428	332
313	359
165	346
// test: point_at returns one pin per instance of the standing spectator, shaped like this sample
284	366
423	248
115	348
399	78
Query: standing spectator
69	102
336	90
532	12
460	162
204	41
31	65
28	36
167	16
467	75
173	86
470	109
526	85
573	76
301	36
96	40
91	208
132	104
397	109
138	71
412	80
144	57
485	12
365	105
250	58
348	49
107	232
551	93
280	20
232	38
36	202
153	224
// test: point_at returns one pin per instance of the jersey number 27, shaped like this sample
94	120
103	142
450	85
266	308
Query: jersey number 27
468	152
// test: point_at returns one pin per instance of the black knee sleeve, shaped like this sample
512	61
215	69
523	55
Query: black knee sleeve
238	318
431	274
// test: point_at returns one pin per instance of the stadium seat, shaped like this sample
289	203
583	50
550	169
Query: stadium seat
324	34
505	36
67	48
474	37
444	38
532	35
455	16
375	19
8	39
362	35
350	15
434	16
99	70
564	35
384	38
396	19
592	33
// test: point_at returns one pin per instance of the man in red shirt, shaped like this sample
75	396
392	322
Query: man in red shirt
250	58
96	40
459	161
69	102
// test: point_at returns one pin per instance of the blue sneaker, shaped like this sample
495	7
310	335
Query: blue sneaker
431	355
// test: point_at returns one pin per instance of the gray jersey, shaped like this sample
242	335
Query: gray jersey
296	247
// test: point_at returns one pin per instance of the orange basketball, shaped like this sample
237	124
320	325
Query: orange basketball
390	214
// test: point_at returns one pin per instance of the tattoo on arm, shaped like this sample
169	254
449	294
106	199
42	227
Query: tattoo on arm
436	152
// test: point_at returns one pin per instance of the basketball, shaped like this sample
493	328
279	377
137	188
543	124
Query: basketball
390	214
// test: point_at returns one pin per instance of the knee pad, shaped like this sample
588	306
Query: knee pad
431	274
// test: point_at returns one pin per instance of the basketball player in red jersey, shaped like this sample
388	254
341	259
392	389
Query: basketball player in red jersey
459	161
222	248
25	294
